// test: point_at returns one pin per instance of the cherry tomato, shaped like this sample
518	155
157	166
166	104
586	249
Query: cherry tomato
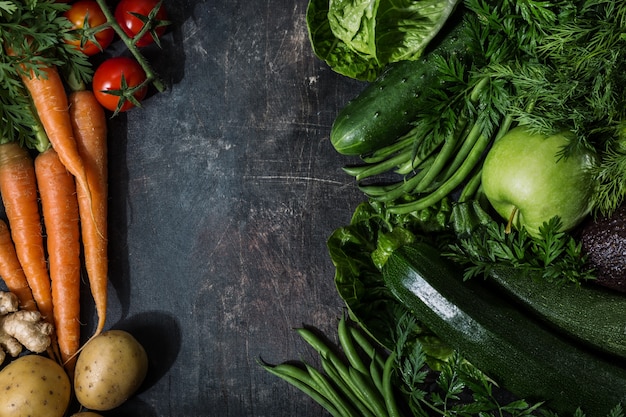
125	14
114	81
84	16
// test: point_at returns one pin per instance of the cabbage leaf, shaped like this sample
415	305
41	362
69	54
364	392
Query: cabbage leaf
358	38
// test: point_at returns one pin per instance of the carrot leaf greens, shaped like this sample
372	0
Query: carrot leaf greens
33	34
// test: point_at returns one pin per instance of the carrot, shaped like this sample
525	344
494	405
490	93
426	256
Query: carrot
11	270
90	129
57	190
18	188
50	100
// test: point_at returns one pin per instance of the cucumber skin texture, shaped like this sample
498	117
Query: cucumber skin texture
386	109
591	315
382	112
518	352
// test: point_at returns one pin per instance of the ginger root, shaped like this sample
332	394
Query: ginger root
21	328
8	303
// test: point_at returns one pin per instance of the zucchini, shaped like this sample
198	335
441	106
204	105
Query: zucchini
386	109
590	314
517	351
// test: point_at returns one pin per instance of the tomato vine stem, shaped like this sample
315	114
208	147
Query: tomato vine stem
151	75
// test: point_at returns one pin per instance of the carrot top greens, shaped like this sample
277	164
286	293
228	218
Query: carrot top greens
32	33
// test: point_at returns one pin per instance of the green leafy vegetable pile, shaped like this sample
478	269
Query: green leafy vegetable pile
484	68
548	66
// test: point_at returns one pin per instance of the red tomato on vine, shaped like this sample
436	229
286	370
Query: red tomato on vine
118	84
87	19
133	15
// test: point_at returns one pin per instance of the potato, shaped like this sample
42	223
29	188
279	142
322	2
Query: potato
109	369
34	385
86	414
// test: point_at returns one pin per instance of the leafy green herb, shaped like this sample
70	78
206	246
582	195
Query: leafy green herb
460	388
574	79
486	244
7	7
611	176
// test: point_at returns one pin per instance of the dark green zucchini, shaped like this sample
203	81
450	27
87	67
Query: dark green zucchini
516	350
592	315
386	109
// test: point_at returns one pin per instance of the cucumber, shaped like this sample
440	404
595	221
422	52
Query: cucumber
386	109
517	351
592	315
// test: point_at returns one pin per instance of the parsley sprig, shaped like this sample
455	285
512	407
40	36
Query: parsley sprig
554	255
456	389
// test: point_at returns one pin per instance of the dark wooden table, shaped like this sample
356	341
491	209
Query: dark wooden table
224	190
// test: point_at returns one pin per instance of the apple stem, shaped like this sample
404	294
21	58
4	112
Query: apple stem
509	224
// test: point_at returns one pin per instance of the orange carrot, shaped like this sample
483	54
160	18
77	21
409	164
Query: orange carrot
11	270
57	190
90	129
48	94
18	188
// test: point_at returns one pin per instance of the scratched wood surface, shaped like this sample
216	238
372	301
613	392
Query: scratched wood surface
224	190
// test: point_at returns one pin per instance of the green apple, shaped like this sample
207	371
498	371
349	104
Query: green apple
527	182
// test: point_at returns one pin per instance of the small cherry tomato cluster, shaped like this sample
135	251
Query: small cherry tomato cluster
119	83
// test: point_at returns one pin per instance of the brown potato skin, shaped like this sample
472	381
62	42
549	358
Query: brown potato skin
109	369
34	385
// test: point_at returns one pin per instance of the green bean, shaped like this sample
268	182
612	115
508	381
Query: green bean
505	126
349	349
389	395
372	398
348	389
329	392
376	374
449	145
450	185
324	351
361	172
393	191
460	156
474	183
405	142
471	187
365	344
304	382
295	372
418	160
